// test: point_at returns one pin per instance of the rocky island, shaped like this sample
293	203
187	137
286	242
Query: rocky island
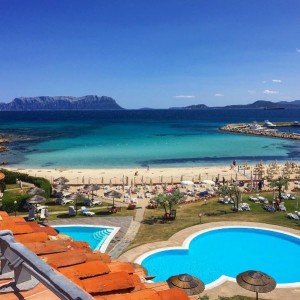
89	102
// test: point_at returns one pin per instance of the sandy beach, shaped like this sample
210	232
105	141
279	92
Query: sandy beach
137	175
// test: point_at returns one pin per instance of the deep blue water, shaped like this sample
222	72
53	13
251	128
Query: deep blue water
129	138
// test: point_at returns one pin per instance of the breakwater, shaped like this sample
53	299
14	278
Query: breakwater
244	128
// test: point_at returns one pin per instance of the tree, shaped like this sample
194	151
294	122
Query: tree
233	192
168	201
279	183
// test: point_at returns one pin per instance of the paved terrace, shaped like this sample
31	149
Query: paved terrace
227	288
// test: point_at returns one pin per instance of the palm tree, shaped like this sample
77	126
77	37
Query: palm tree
279	183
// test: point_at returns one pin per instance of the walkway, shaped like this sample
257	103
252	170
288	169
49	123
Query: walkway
132	230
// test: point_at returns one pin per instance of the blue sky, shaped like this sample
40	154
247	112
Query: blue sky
157	53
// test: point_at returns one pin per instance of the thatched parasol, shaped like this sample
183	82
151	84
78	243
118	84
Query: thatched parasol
35	191
36	199
113	194
61	180
190	284
93	187
61	187
256	281
76	196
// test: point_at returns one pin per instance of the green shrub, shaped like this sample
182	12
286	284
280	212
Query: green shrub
11	178
9	198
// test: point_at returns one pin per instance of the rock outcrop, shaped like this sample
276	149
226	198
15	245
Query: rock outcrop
90	102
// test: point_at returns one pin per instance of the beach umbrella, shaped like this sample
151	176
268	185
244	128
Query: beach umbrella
92	188
61	180
62	187
35	200
113	194
76	196
190	284
256	281
35	191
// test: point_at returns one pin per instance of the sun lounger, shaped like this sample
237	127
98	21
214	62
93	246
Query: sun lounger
292	216
44	215
31	214
72	211
64	201
92	202
86	212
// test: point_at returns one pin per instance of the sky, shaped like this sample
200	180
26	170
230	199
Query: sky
151	53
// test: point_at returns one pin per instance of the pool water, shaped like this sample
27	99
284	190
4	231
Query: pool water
229	251
98	237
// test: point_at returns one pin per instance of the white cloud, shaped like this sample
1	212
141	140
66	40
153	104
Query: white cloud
185	96
277	80
251	92
218	95
298	50
270	92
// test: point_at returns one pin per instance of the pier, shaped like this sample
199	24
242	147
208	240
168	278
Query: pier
244	128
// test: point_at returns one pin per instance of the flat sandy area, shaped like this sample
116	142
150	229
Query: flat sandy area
137	175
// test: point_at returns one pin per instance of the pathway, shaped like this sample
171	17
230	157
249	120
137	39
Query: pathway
132	230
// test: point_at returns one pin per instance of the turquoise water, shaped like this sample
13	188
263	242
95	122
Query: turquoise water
94	235
230	251
123	139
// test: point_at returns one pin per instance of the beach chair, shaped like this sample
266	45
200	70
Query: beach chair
72	211
86	212
31	214
65	201
44	215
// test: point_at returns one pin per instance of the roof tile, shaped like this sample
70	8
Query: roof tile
97	255
173	294
117	266
112	282
64	259
31	237
46	247
85	270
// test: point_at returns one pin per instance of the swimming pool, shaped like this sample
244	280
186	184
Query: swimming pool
218	254
98	237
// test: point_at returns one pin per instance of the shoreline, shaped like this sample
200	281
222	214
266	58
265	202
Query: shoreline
128	175
168	175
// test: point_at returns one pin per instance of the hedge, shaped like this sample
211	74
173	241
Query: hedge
11	178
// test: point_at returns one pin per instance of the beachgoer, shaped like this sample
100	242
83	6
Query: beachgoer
148	167
223	180
136	173
234	162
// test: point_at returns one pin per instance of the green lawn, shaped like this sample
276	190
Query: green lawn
15	193
153	230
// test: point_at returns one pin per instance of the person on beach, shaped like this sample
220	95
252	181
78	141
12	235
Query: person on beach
223	180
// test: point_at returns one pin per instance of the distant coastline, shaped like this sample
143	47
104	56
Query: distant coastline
94	102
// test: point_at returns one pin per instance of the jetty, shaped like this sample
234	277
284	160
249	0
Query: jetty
260	130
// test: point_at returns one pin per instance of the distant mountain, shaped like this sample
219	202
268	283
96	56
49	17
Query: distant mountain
259	104
90	102
196	106
262	104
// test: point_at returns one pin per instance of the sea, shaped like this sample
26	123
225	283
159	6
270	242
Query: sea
141	138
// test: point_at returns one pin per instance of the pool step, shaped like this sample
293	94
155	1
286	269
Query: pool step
101	234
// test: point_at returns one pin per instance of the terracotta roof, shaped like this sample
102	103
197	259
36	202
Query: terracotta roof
92	271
